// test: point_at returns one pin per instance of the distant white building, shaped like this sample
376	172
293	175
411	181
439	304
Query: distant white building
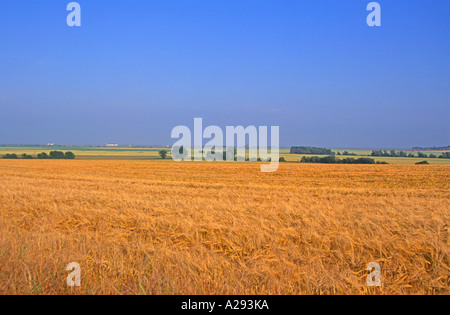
50	144
112	145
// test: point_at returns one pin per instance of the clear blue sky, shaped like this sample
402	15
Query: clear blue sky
136	69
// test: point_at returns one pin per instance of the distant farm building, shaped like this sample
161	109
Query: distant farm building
112	145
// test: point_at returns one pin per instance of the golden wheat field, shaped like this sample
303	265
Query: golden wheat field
139	227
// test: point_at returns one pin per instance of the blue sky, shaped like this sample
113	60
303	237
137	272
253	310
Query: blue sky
136	69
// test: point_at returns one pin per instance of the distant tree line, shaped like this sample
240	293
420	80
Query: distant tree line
57	155
346	153
311	150
11	156
444	148
393	153
331	159
211	154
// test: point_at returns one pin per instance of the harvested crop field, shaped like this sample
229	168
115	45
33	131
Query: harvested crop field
139	227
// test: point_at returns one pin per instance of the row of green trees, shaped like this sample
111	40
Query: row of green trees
311	150
163	154
384	153
53	155
331	159
57	155
393	153
346	153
